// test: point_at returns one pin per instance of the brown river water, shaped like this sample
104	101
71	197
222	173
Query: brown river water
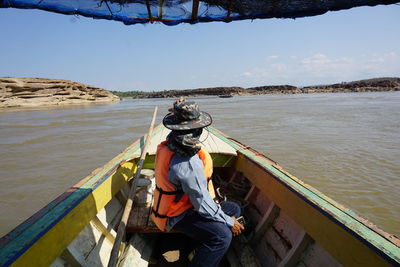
345	145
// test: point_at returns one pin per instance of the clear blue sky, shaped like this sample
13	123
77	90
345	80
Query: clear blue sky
338	46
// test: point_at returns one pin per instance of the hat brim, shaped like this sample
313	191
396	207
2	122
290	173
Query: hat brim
171	122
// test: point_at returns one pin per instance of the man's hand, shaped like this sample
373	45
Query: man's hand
237	228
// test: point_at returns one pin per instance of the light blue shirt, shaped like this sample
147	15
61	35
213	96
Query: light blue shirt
186	174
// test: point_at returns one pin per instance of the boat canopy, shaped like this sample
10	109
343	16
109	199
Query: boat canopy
173	12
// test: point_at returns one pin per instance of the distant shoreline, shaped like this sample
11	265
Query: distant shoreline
38	92
369	85
265	93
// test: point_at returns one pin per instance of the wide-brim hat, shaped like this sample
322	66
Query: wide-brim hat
186	116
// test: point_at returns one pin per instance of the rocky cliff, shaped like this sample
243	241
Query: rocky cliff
32	92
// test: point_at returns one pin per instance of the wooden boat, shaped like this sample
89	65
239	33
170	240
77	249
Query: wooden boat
289	223
225	96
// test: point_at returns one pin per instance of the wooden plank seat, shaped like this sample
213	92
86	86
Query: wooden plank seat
139	220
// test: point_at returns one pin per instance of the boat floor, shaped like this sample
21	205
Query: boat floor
173	250
172	246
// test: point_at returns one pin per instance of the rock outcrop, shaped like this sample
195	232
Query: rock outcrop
33	92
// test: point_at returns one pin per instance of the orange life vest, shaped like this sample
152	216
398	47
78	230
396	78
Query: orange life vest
164	204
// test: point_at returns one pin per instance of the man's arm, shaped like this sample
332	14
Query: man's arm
188	174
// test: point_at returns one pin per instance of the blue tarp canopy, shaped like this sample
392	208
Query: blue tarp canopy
173	12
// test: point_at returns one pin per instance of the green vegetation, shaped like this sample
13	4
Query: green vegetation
127	94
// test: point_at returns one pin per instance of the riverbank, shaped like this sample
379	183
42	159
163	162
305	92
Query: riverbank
369	85
35	92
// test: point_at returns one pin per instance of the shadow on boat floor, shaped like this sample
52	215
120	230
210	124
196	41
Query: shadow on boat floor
173	250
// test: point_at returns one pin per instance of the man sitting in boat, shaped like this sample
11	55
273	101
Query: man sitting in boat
182	201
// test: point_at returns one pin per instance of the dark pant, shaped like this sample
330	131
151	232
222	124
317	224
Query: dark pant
214	237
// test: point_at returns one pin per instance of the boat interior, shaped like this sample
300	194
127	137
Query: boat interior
271	237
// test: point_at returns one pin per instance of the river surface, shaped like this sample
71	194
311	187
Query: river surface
345	145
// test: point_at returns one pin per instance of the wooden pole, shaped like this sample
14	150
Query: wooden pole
122	225
149	11
195	10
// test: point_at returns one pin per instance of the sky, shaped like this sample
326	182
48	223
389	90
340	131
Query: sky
339	46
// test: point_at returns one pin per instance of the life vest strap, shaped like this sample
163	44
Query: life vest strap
163	192
159	215
176	192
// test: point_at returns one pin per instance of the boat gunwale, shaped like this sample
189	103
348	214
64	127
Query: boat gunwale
339	214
